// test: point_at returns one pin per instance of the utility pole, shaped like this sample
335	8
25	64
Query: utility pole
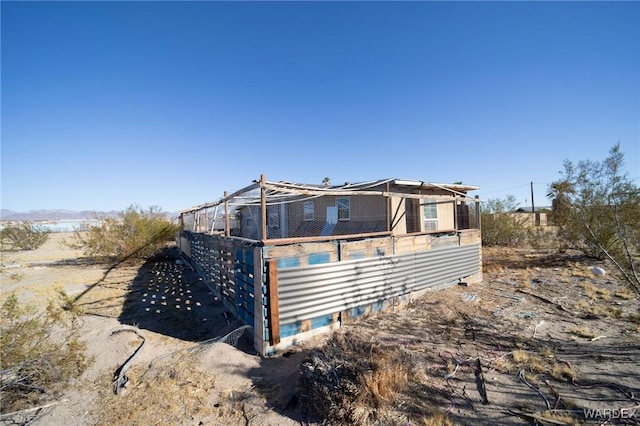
533	207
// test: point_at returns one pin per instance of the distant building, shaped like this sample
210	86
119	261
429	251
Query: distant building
528	217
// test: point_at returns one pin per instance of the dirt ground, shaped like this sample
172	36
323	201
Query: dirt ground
539	341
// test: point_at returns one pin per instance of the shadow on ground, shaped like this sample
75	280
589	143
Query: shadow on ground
168	297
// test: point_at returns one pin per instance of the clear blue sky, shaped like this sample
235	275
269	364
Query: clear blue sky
108	104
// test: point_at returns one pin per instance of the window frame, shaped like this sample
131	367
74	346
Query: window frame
308	216
430	214
342	208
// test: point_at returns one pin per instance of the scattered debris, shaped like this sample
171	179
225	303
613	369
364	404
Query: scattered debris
544	299
598	271
468	297
536	328
526	314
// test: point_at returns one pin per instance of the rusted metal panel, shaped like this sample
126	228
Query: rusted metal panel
312	291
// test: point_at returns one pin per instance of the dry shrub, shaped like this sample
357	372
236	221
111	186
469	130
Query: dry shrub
604	293
579	270
616	313
563	372
23	236
40	352
590	290
624	293
502	365
593	310
583	331
520	356
435	420
353	378
561	418
533	362
135	233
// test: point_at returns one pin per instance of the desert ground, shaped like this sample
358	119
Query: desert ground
541	341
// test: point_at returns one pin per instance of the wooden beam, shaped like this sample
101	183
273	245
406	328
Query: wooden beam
320	238
273	307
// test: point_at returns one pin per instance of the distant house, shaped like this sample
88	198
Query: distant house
297	259
530	217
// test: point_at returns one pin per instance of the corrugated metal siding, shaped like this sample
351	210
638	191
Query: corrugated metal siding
307	292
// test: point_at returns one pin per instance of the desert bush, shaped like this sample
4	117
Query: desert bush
24	236
353	378
499	226
40	352
599	212
135	233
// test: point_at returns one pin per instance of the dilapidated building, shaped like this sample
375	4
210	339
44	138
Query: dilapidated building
293	259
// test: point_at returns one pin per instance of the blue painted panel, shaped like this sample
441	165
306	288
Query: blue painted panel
360	254
288	330
358	311
288	262
378	306
318	258
321	321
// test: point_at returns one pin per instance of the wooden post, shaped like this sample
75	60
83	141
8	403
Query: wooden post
388	208
455	213
273	308
478	212
263	207
227	231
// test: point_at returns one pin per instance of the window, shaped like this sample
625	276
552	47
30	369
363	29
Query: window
309	210
273	220
344	211
430	215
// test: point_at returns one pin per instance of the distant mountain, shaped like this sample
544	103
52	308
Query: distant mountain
39	215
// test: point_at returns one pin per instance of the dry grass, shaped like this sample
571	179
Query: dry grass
520	356
562	418
616	312
359	373
603	293
435	420
563	372
381	383
579	270
169	394
502	365
593	309
624	293
589	290
583	331
532	361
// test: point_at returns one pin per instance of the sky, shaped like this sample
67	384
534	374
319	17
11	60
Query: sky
105	105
